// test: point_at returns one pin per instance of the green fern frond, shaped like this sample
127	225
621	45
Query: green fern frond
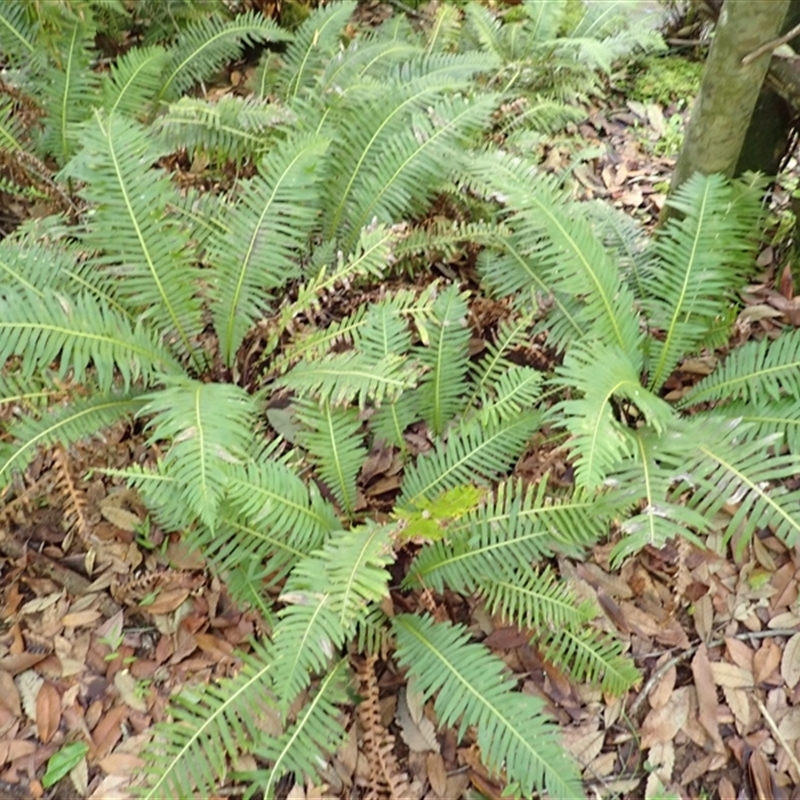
599	441
333	439
352	377
518	525
701	257
764	418
67	92
471	689
754	371
18	33
445	356
513	395
589	656
312	49
444	31
210	42
62	425
130	230
230	129
318	730
306	638
12	133
79	332
538	600
475	452
210	427
133	82
728	470
267	230
209	725
646	483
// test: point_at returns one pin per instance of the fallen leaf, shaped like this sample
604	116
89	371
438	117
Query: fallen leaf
81	618
121	764
48	711
661	724
730	675
437	774
9	696
766	661
109	730
419	736
127	687
790	662
706	696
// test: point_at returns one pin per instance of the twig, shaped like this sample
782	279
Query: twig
775	43
778	735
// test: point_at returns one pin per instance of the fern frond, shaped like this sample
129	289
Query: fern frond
646	482
538	600
447	336
598	441
765	418
754	371
231	129
267	229
477	451
471	689
62	425
333	439
727	470
210	724
352	377
209	426
518	525
78	332
318	730
130	230
210	42
513	395
589	656
67	92
18	34
444	31
133	82
701	257
312	49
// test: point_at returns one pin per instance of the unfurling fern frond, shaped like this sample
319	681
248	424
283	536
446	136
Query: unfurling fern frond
512	731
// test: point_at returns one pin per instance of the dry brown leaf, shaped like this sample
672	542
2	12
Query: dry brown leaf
48	711
121	764
706	696
741	707
726	789
661	724
419	736
704	617
28	684
789	726
790	662
9	696
126	686
730	675
766	661
79	775
437	774
760	777
109	730
166	602
740	653
80	619
662	691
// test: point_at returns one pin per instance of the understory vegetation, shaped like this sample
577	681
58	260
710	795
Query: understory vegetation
272	331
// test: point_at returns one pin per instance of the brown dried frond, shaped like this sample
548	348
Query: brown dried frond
75	502
386	778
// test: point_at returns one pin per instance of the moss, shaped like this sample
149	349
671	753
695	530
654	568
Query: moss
664	80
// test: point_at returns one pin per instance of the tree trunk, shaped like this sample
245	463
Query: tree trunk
729	90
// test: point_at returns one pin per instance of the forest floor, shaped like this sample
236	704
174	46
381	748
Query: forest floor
100	623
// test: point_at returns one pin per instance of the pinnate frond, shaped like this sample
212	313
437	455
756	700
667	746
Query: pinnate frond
471	689
133	82
209	426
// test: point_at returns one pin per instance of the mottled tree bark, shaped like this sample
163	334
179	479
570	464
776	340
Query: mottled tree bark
729	90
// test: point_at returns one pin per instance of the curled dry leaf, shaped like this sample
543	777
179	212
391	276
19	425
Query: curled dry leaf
661	724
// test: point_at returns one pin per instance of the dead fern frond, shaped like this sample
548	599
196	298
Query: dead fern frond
75	502
386	778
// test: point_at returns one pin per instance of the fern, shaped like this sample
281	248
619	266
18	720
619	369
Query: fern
471	690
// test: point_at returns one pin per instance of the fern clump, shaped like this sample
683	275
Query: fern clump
201	316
